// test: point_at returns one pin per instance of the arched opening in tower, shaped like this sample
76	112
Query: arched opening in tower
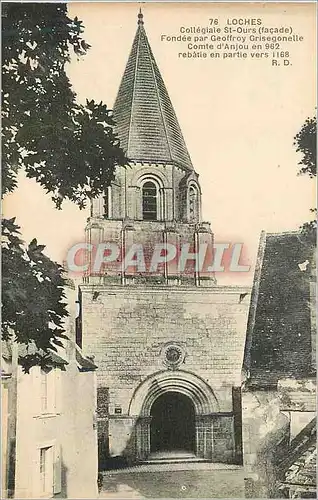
149	201
172	423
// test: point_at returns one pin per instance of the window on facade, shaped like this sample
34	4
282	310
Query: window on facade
47	390
193	204
149	201
44	391
107	203
46	471
106	206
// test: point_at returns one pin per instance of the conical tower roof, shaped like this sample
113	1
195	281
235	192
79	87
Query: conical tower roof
146	122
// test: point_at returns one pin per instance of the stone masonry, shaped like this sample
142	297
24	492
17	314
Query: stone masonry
127	329
171	338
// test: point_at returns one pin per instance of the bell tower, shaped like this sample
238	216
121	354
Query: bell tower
156	198
165	338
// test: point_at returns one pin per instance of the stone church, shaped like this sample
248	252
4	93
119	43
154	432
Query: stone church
168	344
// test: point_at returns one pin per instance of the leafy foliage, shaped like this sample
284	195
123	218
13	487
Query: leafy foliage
70	149
306	143
309	230
33	300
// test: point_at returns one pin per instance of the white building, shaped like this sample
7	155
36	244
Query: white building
49	431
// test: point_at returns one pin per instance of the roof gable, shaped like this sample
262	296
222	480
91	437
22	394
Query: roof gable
279	332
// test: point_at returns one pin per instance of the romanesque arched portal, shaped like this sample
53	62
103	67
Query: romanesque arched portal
172	427
173	389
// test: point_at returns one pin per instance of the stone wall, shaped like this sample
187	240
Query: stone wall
127	329
125	199
127	235
69	429
266	436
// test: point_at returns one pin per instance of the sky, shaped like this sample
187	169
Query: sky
238	118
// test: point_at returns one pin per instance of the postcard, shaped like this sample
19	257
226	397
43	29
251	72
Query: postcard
159	244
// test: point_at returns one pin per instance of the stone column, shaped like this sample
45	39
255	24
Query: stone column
204	444
102	426
171	236
143	438
94	236
127	242
134	204
168	211
205	237
223	438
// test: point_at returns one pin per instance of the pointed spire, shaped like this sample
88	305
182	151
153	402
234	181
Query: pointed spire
146	122
140	17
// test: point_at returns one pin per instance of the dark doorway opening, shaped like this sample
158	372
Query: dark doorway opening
172	423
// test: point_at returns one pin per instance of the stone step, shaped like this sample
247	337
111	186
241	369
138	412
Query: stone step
174	460
173	457
157	466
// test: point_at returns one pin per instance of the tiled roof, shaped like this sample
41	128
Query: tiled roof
303	470
297	395
31	350
146	122
300	467
279	342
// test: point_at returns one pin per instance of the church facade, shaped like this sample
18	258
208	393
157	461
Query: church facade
168	343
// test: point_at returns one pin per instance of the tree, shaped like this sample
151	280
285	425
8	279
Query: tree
306	144
33	305
70	149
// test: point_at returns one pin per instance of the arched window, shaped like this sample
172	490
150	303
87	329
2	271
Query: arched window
107	203
193	204
149	201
